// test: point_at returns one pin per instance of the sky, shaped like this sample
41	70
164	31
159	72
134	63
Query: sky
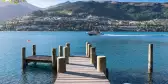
47	3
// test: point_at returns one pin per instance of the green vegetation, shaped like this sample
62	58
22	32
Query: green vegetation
65	12
86	16
117	10
14	1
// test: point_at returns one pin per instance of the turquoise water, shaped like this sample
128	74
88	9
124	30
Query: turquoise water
126	54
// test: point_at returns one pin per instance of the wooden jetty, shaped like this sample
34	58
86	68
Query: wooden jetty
38	58
73	69
80	71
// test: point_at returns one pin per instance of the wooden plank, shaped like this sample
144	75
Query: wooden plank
80	71
39	58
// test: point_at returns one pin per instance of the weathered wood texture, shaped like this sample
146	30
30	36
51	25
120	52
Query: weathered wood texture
39	58
23	57
61	65
80	71
60	51
150	58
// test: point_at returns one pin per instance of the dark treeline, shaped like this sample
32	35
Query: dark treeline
117	10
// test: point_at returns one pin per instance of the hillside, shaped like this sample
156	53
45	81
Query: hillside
9	11
86	16
116	10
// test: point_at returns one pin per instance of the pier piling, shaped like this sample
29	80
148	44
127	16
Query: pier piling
23	57
61	65
69	50
92	55
101	64
150	58
54	58
65	54
34	52
60	51
87	48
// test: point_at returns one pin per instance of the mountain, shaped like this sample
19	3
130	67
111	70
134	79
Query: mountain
9	11
92	15
116	10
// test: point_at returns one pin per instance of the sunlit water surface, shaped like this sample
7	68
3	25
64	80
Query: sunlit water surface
126	54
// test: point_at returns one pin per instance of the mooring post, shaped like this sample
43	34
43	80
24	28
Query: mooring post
92	55
61	65
101	64
87	48
150	58
69	50
65	54
54	58
60	51
34	52
23	57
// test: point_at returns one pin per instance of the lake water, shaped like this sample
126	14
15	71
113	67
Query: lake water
126	54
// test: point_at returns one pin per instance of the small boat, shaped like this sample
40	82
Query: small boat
92	33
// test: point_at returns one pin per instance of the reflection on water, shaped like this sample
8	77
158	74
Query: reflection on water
150	81
38	74
130	77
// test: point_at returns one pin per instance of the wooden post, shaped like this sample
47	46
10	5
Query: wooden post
60	51
101	64
150	58
54	58
65	54
93	55
23	57
87	48
61	65
69	51
34	50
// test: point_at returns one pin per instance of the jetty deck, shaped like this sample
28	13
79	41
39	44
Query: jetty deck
72	69
39	58
80	71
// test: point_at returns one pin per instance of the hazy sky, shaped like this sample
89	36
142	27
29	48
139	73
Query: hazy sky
47	3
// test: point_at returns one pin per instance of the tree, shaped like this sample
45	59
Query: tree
14	1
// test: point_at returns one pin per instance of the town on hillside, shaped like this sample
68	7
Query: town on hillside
92	15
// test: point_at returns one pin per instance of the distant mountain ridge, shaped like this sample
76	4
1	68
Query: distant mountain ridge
116	10
92	15
9	11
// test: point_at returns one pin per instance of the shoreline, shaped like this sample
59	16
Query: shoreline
87	31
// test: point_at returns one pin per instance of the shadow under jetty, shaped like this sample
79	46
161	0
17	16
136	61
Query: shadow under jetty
38	74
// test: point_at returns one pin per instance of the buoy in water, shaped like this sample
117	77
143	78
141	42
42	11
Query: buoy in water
28	40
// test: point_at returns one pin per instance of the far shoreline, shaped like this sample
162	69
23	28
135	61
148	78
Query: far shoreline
87	31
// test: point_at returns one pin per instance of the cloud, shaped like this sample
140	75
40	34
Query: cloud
47	3
44	3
